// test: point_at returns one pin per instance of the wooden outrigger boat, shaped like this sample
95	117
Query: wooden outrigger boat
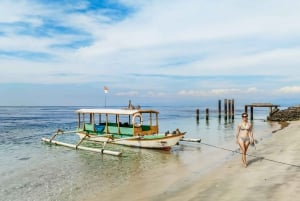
128	127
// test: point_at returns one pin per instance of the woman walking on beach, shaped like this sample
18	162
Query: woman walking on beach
244	136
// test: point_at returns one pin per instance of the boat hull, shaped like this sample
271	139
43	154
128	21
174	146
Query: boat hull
156	141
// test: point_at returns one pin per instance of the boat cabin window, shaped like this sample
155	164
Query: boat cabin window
148	119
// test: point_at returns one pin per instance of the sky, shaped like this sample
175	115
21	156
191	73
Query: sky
152	52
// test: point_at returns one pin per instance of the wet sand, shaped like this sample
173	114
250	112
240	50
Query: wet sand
273	173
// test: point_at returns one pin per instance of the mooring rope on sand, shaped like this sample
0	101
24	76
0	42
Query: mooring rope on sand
263	158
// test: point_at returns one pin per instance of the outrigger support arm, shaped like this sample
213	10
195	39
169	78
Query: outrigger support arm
59	131
77	146
191	140
115	153
81	140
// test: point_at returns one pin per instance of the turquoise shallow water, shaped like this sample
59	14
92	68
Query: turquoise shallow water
32	170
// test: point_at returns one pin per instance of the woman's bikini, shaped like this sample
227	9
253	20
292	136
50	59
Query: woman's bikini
247	128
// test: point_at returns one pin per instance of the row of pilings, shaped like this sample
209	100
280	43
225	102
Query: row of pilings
228	110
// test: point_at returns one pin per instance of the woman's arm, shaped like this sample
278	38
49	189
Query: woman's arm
251	134
237	133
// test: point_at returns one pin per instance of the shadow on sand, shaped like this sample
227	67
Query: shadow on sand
254	160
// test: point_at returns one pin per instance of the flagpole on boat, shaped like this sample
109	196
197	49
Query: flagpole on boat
105	91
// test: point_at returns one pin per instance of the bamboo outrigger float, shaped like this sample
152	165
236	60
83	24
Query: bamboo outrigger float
128	127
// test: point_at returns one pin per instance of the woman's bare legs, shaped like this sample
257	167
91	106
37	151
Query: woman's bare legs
244	147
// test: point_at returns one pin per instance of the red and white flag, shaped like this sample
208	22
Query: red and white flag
105	89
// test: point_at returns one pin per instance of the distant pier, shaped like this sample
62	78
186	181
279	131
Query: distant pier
229	109
269	105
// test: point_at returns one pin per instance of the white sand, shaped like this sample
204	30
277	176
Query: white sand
274	174
261	180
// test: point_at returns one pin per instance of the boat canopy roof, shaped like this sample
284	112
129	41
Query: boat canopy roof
115	111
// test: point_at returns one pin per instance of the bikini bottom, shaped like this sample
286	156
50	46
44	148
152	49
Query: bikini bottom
245	139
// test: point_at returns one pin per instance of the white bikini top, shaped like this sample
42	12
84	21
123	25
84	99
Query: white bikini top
245	127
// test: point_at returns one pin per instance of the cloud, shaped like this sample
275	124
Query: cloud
153	48
290	90
155	94
128	93
188	39
216	92
251	90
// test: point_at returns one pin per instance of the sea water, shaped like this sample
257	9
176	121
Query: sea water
33	170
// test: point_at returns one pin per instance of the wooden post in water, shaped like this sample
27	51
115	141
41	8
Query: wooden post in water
229	109
251	115
207	113
197	115
225	108
220	108
232	101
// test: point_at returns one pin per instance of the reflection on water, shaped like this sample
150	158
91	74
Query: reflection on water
33	170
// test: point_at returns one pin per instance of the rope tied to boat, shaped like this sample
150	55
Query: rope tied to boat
262	158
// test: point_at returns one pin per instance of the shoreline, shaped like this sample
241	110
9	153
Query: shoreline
272	174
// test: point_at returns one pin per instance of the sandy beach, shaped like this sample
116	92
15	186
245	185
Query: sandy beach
273	173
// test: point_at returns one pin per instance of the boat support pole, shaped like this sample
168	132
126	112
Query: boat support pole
59	131
104	143
81	140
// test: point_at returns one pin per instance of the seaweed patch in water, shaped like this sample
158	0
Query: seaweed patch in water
24	158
